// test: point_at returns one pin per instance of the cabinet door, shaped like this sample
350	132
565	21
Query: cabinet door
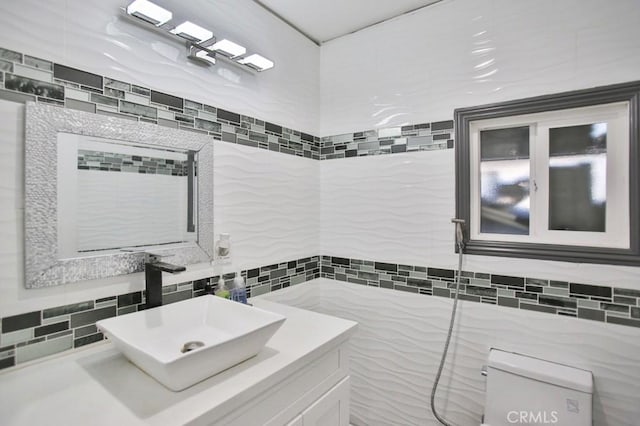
332	409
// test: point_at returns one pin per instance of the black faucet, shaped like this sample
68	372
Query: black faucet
153	270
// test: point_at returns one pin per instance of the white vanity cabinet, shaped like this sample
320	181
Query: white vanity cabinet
301	377
318	394
331	409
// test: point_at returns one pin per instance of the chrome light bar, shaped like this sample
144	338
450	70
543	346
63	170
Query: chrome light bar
201	44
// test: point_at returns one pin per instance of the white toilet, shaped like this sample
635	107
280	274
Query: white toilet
528	391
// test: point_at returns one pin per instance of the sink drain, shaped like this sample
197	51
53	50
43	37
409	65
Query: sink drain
189	346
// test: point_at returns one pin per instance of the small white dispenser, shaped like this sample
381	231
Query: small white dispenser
222	249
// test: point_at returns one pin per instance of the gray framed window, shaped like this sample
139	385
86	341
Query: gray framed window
554	177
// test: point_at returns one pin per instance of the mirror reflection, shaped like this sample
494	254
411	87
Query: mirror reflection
115	195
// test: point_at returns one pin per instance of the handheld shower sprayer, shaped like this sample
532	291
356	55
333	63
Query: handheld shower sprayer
459	233
460	245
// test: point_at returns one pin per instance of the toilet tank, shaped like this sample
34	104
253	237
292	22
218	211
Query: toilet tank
528	391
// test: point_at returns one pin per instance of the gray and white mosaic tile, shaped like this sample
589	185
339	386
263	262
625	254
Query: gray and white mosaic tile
116	162
26	78
598	303
65	86
418	137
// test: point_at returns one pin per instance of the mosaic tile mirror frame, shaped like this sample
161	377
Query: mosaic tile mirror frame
43	266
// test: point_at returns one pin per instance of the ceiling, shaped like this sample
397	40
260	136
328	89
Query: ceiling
324	20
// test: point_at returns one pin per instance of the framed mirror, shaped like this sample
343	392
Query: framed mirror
102	191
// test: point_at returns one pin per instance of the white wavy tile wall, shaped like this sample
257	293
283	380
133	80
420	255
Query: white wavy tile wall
388	207
397	208
14	298
12	200
108	216
268	202
460	53
397	348
91	35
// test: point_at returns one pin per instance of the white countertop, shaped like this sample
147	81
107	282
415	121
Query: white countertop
98	386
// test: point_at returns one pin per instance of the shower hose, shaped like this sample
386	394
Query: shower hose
446	344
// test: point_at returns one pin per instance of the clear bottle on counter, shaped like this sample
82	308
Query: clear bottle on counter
239	290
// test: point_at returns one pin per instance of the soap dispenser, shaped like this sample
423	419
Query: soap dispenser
239	290
221	290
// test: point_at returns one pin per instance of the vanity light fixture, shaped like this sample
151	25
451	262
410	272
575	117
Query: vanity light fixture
228	48
257	62
192	32
149	12
155	18
205	56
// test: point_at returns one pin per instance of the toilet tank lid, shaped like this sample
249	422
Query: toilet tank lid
544	371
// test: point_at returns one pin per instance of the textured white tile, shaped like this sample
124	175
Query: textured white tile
396	350
12	200
386	207
11	154
101	200
14	298
88	35
473	52
268	202
398	208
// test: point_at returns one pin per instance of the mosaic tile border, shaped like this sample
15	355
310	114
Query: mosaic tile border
128	163
37	334
392	140
32	335
591	302
26	78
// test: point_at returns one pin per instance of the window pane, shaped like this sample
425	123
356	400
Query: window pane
504	181
578	178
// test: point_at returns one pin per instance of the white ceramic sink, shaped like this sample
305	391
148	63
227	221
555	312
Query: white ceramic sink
226	333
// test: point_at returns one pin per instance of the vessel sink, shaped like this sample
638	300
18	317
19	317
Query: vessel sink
186	342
